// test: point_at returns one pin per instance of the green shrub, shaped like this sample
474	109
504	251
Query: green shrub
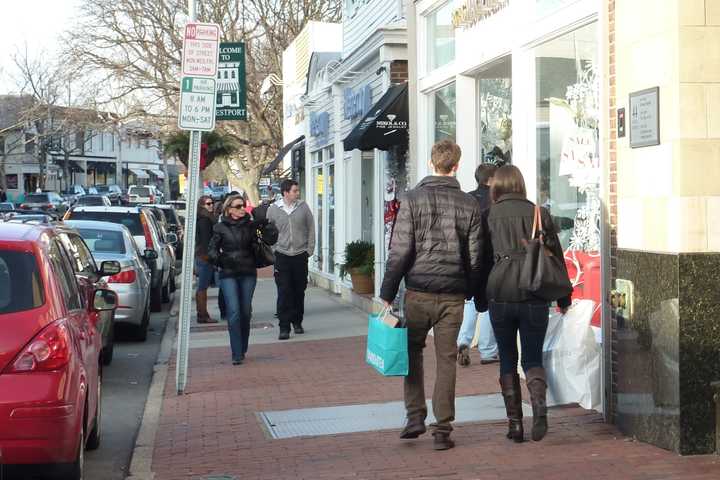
360	255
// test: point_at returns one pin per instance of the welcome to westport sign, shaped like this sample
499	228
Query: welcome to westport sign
474	11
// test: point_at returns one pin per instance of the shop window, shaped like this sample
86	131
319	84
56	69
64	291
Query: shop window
331	217
495	110
567	145
319	187
441	37
367	192
443	104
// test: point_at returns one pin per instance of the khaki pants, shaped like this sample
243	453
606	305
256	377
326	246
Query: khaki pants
443	313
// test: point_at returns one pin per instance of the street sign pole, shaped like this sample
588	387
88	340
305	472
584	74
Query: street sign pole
194	59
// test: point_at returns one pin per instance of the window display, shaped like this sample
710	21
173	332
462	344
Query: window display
444	113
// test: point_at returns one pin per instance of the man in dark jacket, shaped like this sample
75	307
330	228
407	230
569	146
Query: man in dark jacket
487	346
436	249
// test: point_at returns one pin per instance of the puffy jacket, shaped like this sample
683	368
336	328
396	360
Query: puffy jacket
435	241
231	245
203	234
506	224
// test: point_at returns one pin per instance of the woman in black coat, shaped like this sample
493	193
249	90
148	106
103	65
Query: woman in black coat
231	250
506	228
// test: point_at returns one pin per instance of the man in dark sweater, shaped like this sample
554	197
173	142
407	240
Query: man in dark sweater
436	249
486	342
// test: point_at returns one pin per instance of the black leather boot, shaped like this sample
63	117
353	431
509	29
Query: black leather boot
537	385
510	385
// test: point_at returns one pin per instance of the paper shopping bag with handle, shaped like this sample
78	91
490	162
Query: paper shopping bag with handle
387	347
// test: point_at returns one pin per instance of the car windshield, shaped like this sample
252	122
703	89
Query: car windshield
140	191
6	207
91	201
102	188
37	198
103	241
130	220
25	291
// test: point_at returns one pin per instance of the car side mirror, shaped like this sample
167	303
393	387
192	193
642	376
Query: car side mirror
105	300
171	238
150	254
108	268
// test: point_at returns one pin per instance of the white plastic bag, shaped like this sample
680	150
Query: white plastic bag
571	356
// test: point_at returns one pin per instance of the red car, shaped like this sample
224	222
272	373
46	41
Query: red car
50	362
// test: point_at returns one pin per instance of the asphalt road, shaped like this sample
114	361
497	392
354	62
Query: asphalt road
125	387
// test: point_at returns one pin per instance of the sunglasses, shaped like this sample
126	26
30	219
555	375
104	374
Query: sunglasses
208	203
240	205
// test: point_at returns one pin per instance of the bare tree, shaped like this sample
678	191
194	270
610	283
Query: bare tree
134	48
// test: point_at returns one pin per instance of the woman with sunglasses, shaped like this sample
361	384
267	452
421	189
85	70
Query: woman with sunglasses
203	268
231	250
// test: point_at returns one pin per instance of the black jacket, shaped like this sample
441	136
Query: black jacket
435	241
482	195
505	225
203	234
231	245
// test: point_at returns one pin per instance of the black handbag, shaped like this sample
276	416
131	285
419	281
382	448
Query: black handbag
264	255
543	274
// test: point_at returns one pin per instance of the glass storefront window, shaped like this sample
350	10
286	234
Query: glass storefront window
568	161
495	88
331	217
441	37
319	188
444	113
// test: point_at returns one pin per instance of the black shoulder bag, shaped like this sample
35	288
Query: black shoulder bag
264	255
543	274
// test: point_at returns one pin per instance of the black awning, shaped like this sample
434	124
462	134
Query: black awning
385	125
101	167
73	166
281	154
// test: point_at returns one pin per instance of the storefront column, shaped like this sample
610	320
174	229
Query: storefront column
523	118
468	132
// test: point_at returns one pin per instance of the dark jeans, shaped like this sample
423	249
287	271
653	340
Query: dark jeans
443	312
291	278
238	293
531	320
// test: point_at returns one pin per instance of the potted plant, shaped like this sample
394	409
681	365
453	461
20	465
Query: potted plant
360	264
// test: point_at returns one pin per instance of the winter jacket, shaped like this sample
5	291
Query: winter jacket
231	245
506	224
482	195
435	241
203	233
296	230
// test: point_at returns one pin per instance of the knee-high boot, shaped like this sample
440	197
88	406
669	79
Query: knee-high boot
537	385
510	385
201	302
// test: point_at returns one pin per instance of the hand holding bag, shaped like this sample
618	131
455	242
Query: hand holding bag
387	347
542	273
264	255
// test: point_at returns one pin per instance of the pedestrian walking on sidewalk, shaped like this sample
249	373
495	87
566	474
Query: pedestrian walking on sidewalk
435	247
296	244
231	249
203	268
487	346
512	310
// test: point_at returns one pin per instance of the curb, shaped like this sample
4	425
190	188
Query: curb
141	460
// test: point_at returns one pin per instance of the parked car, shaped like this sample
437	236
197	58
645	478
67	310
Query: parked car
46	201
50	368
179	206
7	207
113	192
142	194
163	227
93	201
89	278
71	193
218	191
146	232
111	241
175	225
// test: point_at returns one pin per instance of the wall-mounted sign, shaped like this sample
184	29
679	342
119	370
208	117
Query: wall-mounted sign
621	122
357	102
645	118
231	90
319	124
473	11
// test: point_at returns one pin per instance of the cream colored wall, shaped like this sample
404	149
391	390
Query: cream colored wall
669	195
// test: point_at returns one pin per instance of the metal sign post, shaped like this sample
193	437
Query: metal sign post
197	112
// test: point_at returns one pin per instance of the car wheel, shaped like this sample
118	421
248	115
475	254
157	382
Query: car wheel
76	470
166	292
156	299
93	441
107	352
141	330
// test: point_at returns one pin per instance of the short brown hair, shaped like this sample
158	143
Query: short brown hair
484	173
507	179
229	200
445	155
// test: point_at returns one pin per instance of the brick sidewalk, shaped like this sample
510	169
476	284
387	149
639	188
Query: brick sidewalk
215	430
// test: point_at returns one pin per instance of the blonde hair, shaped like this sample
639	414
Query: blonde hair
445	155
229	200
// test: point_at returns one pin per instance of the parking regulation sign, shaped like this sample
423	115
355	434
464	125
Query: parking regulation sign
200	49
197	104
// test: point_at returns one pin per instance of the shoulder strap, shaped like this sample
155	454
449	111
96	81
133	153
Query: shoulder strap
537	222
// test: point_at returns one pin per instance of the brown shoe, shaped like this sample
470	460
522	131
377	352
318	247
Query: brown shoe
442	441
463	356
512	395
537	385
413	429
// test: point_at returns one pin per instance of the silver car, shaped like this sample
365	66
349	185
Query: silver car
112	241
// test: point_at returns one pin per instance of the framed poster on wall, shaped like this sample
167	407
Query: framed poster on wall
645	118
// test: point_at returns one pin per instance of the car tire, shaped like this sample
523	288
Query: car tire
76	470
156	299
166	291
107	352
141	330
93	441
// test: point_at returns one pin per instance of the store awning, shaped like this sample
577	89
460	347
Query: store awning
227	87
139	173
101	167
385	125
73	166
157	172
281	154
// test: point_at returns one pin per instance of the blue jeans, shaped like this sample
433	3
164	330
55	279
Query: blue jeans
238	293
487	346
531	320
205	272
